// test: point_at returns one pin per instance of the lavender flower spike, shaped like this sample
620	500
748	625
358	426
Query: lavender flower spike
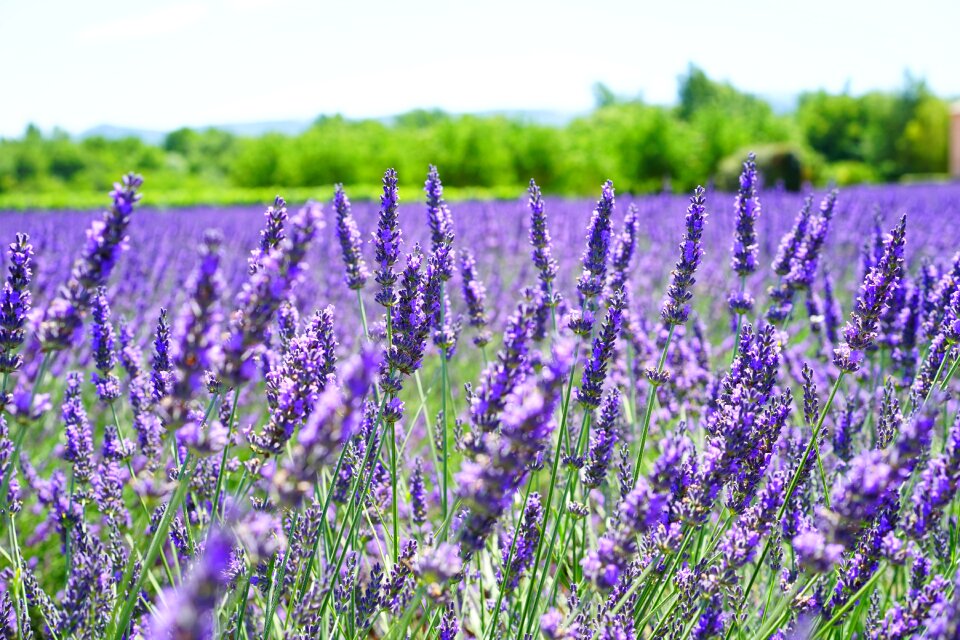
350	243
162	375
102	345
475	296
602	442
106	240
387	240
880	283
595	371
542	251
675	309
590	284
15	302
272	233
190	609
441	224
747	206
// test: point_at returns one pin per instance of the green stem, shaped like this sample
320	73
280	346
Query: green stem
794	481
217	510
513	548
187	470
651	399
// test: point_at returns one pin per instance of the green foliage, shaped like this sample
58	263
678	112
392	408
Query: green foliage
642	147
893	134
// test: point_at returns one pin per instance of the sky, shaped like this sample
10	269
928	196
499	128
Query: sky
164	64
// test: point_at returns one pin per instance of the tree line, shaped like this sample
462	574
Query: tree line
841	138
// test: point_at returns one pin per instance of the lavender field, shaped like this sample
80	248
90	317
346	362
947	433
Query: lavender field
728	415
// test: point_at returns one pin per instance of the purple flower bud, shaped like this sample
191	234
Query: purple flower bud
675	308
747	209
590	284
350	243
15	303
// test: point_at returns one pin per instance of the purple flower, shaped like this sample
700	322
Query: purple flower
675	308
525	547
602	441
441	226
418	495
937	487
505	373
190	608
449	625
487	485
475	295
106	240
861	330
641	510
410	325
790	243
747	208
195	348
161	374
542	246
79	448
350	243
278	273
803	268
8	469
590	284
439	564
272	233
102	345
387	240
15	302
595	371
623	250
294	386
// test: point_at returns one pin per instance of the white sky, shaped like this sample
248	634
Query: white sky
168	63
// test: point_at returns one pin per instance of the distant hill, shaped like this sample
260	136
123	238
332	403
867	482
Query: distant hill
294	127
251	129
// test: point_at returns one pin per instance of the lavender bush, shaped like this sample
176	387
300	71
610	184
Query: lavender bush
405	418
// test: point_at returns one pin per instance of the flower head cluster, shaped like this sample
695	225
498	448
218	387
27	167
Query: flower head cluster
279	272
106	240
272	233
505	373
642	509
15	302
594	276
520	546
195	346
602	442
350	243
799	255
488	483
675	308
189	610
595	371
542	246
79	449
387	239
441	225
475	295
102	345
747	208
623	251
410	325
295	385
861	330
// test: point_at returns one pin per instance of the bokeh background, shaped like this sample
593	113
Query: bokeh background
223	101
